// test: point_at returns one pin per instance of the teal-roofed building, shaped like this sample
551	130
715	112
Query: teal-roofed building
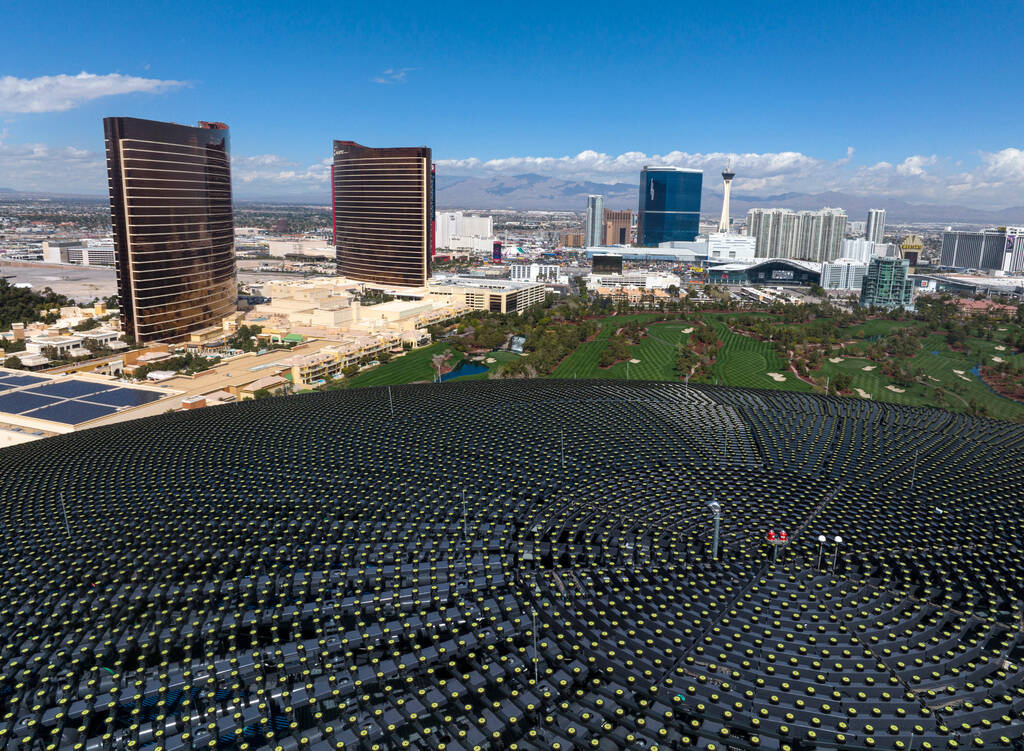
886	284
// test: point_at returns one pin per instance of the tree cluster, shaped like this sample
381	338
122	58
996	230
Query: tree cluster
616	349
23	305
188	364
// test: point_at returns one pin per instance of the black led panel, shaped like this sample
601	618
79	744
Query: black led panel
516	565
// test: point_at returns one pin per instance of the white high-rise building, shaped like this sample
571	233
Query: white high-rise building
774	232
861	249
457	231
593	231
807	235
821	234
874	230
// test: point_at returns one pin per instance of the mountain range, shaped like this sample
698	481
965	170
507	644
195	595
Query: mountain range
525	192
537	192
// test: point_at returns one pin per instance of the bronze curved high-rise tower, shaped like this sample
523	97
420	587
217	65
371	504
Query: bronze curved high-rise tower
170	207
383	213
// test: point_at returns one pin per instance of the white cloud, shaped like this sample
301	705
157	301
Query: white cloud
270	175
63	92
990	180
392	75
997	180
43	168
593	165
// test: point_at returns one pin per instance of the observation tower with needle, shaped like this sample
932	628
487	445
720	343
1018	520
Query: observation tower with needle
727	175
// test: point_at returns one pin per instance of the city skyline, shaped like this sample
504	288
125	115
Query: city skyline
280	62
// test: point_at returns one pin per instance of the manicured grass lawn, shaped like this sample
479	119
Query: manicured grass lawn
959	388
745	361
656	353
873	382
583	362
411	367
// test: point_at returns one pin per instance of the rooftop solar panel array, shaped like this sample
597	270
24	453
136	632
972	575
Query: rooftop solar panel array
516	565
71	401
71	389
9	381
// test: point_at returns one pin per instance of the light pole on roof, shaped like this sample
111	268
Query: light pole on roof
716	509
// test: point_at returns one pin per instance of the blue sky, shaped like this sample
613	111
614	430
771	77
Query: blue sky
916	100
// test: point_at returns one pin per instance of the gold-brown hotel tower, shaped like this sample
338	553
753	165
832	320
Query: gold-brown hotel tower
383	206
170	207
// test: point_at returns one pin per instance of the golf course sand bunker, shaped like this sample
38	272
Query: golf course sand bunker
777	377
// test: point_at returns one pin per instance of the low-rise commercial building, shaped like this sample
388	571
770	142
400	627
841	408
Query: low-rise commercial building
79	252
635	296
726	246
534	272
327	364
61	346
274	385
300	247
773	271
843	273
641	280
495	295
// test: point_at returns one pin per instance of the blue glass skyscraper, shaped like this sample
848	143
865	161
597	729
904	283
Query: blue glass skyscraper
669	205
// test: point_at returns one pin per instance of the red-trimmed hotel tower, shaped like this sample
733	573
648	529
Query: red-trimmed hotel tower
383	215
174	232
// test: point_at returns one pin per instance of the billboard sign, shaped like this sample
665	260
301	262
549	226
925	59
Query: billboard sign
496	252
606	264
783	275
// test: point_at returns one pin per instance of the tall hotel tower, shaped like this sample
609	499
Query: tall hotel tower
727	177
669	205
174	232
874	229
383	213
593	228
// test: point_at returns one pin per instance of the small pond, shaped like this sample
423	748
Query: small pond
465	368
